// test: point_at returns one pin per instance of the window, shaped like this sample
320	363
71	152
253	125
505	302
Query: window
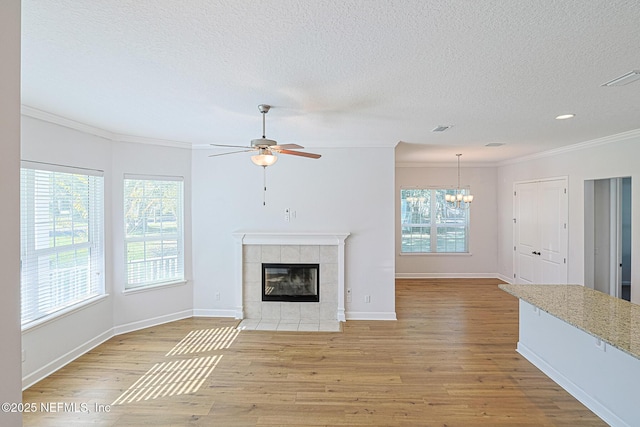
153	230
61	238
430	224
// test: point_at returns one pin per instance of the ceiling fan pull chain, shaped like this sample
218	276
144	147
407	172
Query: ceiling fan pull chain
264	184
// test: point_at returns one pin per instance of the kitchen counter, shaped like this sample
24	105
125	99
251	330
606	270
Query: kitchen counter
613	320
587	342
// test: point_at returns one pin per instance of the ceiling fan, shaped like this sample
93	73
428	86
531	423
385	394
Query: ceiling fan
266	147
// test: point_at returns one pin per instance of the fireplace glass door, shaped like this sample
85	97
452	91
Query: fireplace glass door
291	282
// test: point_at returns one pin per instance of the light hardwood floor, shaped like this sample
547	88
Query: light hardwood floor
448	360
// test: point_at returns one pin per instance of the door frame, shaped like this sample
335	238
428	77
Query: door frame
614	228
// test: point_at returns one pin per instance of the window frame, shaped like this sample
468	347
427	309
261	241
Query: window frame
37	309
129	285
432	223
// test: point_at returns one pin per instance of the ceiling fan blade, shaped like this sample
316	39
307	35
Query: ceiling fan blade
300	153
232	146
286	147
230	152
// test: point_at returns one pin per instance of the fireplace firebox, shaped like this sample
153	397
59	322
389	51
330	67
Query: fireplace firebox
291	282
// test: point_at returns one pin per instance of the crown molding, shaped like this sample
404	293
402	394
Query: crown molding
610	139
45	116
117	137
152	141
120	137
446	164
307	146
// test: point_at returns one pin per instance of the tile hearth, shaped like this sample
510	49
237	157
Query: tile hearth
289	325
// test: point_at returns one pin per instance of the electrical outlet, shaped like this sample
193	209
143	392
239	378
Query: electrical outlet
348	294
367	298
287	214
217	296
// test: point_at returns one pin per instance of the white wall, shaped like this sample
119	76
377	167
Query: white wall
347	190
611	157
55	343
483	245
135	310
10	389
48	346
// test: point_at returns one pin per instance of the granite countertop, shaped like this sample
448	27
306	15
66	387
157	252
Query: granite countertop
613	320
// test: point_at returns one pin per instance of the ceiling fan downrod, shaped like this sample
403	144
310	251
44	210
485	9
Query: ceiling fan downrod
264	109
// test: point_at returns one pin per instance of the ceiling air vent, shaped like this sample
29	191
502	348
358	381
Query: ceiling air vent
625	79
442	128
494	144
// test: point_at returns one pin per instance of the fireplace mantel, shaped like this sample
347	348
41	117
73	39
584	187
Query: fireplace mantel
253	238
290	239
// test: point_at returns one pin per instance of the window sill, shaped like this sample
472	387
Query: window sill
436	254
154	287
62	313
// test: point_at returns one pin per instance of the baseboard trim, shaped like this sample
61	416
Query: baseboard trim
207	312
62	361
504	279
154	321
571	388
448	276
370	315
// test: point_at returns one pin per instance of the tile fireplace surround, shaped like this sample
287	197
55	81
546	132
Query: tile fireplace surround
326	249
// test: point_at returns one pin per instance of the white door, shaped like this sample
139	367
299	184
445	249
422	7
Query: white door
526	234
540	232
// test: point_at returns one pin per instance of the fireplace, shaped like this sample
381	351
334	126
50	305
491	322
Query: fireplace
291	282
326	249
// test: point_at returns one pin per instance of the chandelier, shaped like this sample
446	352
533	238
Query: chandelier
459	199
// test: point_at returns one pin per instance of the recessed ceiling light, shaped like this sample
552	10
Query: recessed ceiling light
565	116
442	128
624	79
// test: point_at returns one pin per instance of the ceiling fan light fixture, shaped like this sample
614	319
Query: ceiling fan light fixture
264	160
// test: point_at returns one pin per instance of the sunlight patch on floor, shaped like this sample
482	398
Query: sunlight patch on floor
170	379
204	340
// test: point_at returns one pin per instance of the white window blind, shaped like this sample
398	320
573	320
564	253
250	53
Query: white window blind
61	229
153	215
430	224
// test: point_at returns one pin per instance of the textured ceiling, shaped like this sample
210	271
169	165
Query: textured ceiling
339	73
